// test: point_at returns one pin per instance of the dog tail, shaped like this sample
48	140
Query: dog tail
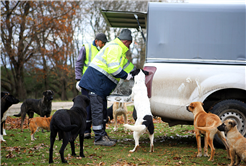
137	128
208	128
17	115
145	123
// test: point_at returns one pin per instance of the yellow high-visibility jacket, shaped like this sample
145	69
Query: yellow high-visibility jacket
106	69
91	52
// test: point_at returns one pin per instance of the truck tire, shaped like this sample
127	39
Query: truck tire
231	109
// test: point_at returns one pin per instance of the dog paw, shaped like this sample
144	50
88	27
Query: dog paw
115	129
151	149
206	155
4	132
199	155
131	151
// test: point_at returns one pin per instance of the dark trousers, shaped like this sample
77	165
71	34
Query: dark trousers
98	114
88	110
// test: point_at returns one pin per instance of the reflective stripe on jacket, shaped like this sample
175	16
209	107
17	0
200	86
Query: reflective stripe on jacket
99	78
111	60
91	52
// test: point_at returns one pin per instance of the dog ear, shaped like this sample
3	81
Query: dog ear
135	72
232	123
2	94
145	72
192	105
44	93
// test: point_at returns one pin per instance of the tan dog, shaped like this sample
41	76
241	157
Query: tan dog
119	108
39	122
235	140
206	123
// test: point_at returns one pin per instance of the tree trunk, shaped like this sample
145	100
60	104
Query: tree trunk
20	88
64	90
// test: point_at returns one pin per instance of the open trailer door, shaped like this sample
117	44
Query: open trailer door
126	19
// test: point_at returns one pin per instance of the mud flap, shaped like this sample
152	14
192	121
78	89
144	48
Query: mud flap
149	78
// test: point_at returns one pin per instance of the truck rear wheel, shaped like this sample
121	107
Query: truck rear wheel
231	109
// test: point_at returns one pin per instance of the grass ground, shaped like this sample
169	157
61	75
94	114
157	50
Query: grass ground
172	146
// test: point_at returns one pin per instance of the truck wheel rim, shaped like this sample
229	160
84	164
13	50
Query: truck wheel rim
237	116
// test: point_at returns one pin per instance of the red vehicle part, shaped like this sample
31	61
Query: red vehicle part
149	78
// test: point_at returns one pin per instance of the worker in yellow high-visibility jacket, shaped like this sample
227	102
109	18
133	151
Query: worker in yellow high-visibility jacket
103	74
86	55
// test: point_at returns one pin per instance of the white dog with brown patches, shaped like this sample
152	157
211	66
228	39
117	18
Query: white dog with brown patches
144	120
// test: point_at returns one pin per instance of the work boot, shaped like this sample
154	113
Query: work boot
115	140
87	135
105	142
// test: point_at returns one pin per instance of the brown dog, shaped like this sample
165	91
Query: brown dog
39	122
206	123
119	108
235	140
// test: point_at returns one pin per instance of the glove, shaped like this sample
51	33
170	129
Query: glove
129	76
78	87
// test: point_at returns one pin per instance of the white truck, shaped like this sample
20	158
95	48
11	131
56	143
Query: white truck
194	52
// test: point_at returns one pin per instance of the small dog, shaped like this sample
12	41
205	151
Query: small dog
39	122
6	101
144	116
41	107
206	123
69	124
236	141
119	108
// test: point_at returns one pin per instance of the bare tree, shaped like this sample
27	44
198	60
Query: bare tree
16	38
35	35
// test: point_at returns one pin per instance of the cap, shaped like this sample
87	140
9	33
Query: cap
125	34
102	37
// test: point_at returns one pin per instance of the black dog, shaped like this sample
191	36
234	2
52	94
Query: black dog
40	106
110	113
6	101
69	124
